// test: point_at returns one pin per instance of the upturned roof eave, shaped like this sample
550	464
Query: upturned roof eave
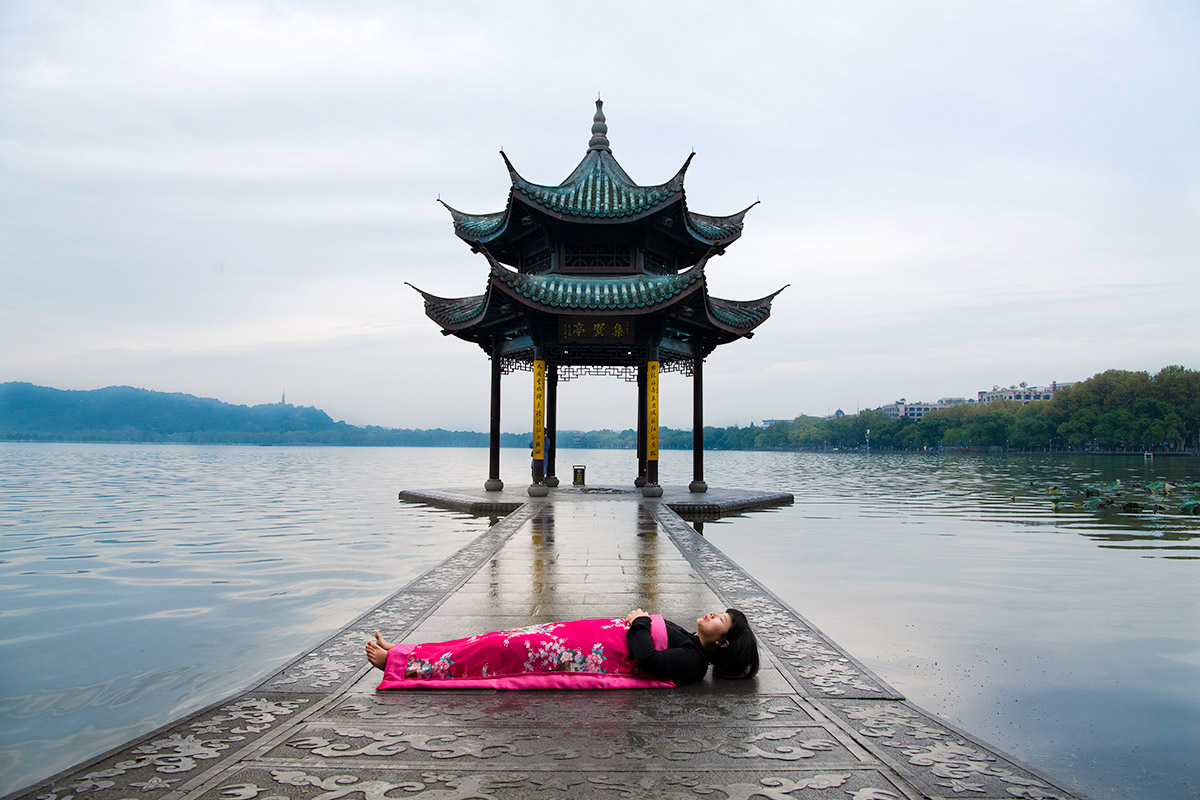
762	303
459	217
694	219
433	302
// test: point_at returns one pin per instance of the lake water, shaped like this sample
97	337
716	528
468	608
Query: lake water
143	582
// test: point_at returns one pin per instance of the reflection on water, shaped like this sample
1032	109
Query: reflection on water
543	578
146	581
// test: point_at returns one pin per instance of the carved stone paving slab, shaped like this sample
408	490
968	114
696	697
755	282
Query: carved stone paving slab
163	761
561	708
451	783
580	747
812	660
939	759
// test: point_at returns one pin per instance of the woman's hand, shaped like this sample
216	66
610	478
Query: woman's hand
632	615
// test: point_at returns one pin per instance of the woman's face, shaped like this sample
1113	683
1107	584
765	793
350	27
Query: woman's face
713	626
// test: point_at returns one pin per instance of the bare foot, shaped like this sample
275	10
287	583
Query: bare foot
377	651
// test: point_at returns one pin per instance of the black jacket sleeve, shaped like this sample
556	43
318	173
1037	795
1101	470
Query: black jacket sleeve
680	665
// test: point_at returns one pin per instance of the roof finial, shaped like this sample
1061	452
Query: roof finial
599	140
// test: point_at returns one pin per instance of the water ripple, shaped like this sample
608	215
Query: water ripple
179	574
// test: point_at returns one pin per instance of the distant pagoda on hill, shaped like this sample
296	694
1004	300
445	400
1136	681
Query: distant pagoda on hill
597	276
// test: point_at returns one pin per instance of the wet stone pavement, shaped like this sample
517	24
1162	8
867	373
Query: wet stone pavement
814	723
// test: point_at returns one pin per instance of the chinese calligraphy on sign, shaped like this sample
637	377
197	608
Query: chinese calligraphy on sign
652	411
539	410
593	330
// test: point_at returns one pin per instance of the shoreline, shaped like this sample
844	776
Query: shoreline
987	451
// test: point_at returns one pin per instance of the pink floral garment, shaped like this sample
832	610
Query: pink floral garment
583	654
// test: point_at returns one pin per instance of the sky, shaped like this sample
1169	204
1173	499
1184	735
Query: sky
227	199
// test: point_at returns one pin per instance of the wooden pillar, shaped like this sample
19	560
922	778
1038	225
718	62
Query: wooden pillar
640	480
538	487
551	423
698	485
493	483
652	489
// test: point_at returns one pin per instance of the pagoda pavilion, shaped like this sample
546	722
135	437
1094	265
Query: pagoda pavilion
597	276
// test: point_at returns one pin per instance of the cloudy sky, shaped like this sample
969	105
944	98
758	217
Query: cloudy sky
226	199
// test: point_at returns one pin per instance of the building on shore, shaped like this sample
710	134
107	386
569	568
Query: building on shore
1023	393
903	408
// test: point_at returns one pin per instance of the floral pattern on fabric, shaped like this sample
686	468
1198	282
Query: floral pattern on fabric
581	654
438	668
557	655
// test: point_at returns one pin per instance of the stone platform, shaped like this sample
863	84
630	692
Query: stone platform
814	723
711	504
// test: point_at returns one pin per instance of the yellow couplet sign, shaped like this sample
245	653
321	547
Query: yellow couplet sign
652	411
539	409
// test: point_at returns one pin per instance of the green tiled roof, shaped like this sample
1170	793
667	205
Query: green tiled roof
741	314
598	188
610	294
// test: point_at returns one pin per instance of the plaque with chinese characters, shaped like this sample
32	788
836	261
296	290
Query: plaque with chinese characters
590	330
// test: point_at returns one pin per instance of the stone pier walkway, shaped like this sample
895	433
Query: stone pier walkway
815	723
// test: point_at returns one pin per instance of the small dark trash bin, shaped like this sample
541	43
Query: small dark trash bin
579	470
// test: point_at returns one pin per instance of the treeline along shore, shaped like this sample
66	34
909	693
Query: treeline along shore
1113	411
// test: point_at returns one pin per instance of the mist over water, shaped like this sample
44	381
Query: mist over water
143	582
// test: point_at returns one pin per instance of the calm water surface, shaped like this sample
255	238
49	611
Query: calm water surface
146	581
1070	638
143	582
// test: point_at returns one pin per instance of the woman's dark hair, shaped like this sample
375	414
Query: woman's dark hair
738	658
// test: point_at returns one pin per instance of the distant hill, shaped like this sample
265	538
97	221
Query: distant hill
126	414
1113	411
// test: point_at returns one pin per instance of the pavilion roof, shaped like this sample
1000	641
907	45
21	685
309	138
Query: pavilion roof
598	190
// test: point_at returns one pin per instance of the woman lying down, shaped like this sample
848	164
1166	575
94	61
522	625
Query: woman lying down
642	650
